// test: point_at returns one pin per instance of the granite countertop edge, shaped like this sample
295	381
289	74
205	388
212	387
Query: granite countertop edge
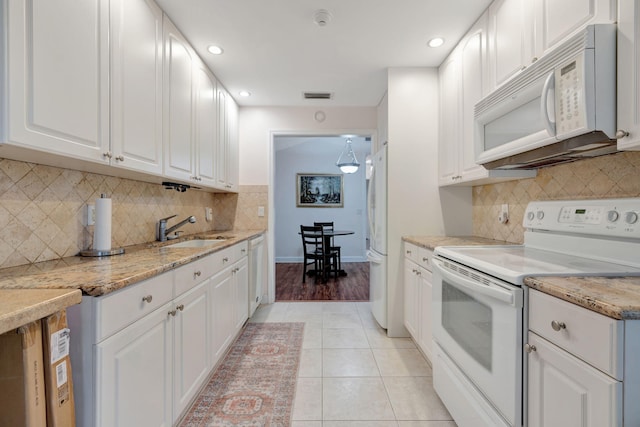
431	242
20	307
97	276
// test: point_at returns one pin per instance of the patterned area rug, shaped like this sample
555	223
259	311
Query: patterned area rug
255	383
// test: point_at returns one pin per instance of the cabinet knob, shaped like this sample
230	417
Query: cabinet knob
529	348
225	259
621	133
557	326
120	158
243	250
172	313
147	298
425	259
534	59
180	307
196	274
107	155
408	252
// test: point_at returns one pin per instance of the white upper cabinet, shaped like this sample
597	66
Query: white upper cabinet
463	82
522	31
58	68
511	33
629	75
178	103
227	148
136	85
206	125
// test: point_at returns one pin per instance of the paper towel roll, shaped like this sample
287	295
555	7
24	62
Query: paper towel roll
102	229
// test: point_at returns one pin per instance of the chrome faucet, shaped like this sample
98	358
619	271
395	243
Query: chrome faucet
163	233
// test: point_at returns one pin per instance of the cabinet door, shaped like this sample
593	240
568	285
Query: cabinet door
473	54
222	313
58	69
177	122
426	323
511	43
411	299
191	346
133	374
223	139
449	138
558	20
233	149
629	74
206	124
565	391
241	277
136	85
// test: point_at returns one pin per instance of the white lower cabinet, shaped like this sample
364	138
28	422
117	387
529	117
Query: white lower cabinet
565	391
576	367
133	375
141	354
417	296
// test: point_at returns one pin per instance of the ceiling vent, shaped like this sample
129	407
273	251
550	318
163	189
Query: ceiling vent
317	95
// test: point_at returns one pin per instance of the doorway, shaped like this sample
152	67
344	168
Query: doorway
296	156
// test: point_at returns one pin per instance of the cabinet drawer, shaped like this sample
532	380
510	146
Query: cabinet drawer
592	337
411	251
240	250
123	307
194	273
424	258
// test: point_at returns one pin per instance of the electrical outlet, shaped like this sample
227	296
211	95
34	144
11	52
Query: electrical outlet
91	214
260	210
208	214
504	214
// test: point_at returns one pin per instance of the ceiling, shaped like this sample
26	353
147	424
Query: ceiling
276	51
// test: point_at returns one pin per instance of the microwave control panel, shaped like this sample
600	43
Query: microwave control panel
610	217
571	115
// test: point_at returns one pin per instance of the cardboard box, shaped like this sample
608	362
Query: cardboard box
22	388
58	380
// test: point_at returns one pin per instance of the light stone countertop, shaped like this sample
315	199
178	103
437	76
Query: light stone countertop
19	307
100	276
616	297
430	242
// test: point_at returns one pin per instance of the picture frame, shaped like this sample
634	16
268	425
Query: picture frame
319	190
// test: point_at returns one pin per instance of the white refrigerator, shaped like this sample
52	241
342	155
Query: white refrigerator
377	253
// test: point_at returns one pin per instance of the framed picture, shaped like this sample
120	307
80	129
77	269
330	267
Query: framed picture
320	190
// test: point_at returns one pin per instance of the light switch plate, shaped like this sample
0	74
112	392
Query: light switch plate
260	210
91	214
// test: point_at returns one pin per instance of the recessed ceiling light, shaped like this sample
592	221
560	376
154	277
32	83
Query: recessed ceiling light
215	50
436	42
244	93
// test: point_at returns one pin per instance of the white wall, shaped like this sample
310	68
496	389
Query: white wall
416	206
295	155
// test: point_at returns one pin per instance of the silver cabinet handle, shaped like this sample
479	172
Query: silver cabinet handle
425	259
120	158
621	133
197	274
243	250
529	348
557	326
408	252
225	259
180	307
148	298
107	154
172	313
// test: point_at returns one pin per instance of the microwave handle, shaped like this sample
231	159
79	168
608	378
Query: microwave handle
549	86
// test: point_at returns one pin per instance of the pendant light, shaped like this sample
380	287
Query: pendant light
347	161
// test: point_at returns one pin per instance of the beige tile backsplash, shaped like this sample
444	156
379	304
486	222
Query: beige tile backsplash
617	175
43	210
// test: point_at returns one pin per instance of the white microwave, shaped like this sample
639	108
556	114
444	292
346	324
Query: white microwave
561	108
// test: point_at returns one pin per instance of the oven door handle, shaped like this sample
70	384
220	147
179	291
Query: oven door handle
491	291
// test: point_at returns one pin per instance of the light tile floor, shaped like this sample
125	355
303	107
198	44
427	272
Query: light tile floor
352	375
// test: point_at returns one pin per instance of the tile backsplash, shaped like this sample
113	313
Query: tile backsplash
613	176
43	210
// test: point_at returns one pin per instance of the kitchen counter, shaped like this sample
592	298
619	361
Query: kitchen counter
100	276
21	306
616	297
430	242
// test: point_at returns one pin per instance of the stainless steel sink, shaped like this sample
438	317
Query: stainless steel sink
196	243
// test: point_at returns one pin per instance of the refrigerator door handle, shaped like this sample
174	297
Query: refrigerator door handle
370	195
374	258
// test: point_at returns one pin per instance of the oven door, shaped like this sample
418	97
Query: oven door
477	322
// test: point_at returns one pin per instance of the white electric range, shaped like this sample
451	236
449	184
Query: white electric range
480	306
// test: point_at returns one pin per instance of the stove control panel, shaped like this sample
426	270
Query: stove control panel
607	217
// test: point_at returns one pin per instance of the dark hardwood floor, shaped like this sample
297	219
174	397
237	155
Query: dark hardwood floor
352	287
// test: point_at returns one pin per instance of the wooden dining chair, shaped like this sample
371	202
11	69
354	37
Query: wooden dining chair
328	226
323	259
